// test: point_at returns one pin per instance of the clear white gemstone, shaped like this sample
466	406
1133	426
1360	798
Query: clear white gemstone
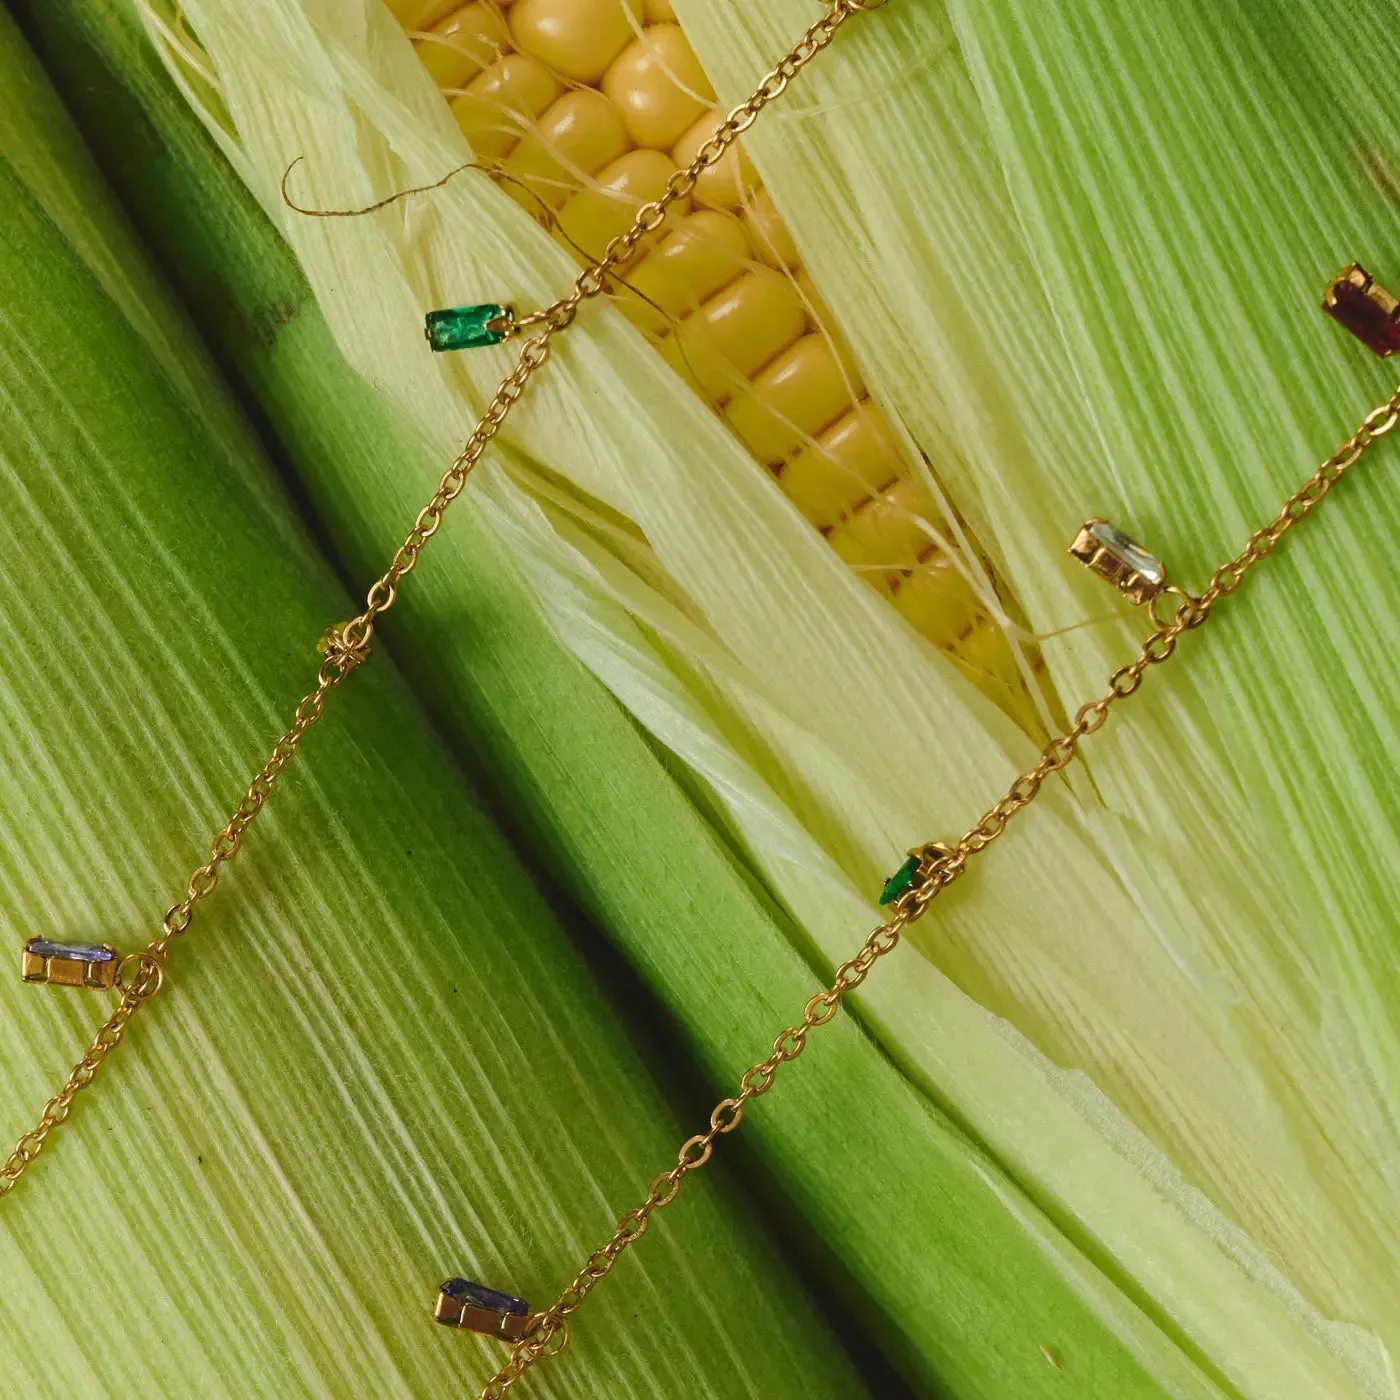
1129	551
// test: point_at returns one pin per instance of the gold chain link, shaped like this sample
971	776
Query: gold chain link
348	647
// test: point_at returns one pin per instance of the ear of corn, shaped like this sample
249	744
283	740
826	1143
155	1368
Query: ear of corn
1188	1187
1115	912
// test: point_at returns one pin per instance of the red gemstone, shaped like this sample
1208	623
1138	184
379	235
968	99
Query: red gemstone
1366	309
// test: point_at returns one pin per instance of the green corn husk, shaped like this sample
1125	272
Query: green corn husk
1223	1024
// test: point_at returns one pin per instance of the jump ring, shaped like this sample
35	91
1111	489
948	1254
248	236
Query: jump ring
549	1336
1187	609
150	979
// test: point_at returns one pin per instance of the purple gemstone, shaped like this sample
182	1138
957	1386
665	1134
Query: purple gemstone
82	952
486	1298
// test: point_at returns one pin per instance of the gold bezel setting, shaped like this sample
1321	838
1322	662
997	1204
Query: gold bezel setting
1134	571
89	965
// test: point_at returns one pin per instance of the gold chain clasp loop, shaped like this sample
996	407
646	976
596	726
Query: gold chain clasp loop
149	975
557	316
1186	609
938	865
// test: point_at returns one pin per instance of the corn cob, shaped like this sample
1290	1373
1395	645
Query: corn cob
586	107
1256	1352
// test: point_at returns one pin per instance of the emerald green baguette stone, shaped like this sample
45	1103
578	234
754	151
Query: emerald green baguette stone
900	881
468	327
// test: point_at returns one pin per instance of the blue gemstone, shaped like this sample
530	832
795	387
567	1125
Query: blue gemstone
485	1297
82	952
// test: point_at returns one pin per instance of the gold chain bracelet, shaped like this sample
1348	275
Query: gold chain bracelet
1352	298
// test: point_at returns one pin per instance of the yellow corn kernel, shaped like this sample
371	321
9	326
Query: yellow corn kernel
421	14
768	233
578	39
704	252
739	329
652	323
985	655
575	137
658	11
938	602
884	530
674	353
726	184
500	103
792	399
659	87
848	462
590	219
460	46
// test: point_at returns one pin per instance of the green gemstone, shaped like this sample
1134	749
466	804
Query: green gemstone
468	327
901	881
